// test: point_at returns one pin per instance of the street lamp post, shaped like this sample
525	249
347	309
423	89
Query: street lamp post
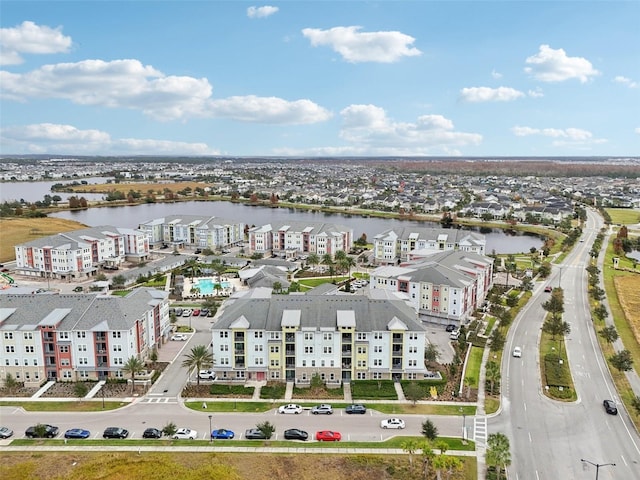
598	465
464	425
210	436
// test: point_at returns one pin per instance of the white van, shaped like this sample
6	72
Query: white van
454	335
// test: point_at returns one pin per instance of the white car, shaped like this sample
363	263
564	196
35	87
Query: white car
179	337
517	352
392	423
207	375
290	408
185	434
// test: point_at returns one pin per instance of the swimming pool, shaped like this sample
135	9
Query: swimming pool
207	285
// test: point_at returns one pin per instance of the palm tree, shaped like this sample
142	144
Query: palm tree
327	259
492	372
132	367
410	446
498	454
313	259
200	358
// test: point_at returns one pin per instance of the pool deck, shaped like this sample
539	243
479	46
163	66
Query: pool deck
234	283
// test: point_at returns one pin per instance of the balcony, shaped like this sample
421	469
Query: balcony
290	351
346	351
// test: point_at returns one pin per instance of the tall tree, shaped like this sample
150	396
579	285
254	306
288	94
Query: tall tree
132	367
498	452
622	361
313	259
199	358
492	374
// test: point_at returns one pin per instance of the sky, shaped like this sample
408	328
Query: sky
320	78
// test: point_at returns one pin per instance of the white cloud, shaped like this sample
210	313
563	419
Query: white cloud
626	81
549	65
29	38
48	137
573	137
496	75
261	12
369	131
129	84
487	94
537	93
356	46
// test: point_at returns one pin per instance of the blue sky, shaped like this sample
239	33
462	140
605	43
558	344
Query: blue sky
320	78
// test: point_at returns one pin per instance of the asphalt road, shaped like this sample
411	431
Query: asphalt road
548	438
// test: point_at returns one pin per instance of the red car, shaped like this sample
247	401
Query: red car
328	436
196	312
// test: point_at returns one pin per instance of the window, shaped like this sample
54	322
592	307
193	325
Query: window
66	374
413	336
64	348
275	349
257	348
224	348
80	334
361	336
224	360
304	363
240	374
377	336
118	361
362	350
308	349
413	363
117	348
259	361
29	349
377	349
9	348
82	348
28	335
413	349
361	375
327	336
116	334
63	335
376	375
64	362
308	336
257	334
328	350
313	363
275	363
274	335
377	362
224	334
362	364
83	361
8	335
275	374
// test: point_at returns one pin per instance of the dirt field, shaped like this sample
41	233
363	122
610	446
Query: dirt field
628	288
14	231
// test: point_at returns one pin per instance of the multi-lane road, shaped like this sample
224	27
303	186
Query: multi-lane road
549	439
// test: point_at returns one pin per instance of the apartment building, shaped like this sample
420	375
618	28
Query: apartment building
397	245
80	253
444	288
199	231
300	238
79	337
339	337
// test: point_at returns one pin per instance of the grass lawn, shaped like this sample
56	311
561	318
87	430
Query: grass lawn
70	406
624	216
556	346
473	366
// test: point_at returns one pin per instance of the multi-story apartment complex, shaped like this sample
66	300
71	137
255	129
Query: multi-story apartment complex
200	231
443	288
339	337
79	337
393	246
80	253
300	238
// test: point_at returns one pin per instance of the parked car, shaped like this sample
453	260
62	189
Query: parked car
610	407
255	434
328	436
78	289
450	328
204	312
47	431
323	408
392	423
179	337
185	434
454	335
196	312
517	352
186	312
222	434
207	375
178	312
152	433
356	408
295	434
548	289
5	432
115	432
77	433
290	408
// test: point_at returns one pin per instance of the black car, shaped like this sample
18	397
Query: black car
115	432
39	431
450	328
295	434
356	408
255	434
152	433
610	407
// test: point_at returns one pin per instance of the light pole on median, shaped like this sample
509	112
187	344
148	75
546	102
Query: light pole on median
598	465
464	426
210	431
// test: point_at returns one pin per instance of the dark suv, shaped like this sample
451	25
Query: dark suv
38	431
610	407
115	432
356	408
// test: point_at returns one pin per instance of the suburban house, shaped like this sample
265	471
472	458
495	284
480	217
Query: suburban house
339	337
394	246
299	238
80	253
77	337
443	288
199	231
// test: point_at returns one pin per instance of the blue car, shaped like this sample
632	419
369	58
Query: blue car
222	434
77	433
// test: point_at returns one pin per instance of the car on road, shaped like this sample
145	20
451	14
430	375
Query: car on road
356	408
37	431
290	408
78	289
295	434
222	434
5	432
328	436
255	434
450	328
115	432
152	433
517	352
322	409
610	407
548	289
392	423
77	433
179	337
185	434
207	375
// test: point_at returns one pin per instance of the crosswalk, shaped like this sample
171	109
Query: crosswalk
168	400
480	431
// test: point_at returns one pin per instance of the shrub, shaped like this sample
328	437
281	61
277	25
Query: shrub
374	389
